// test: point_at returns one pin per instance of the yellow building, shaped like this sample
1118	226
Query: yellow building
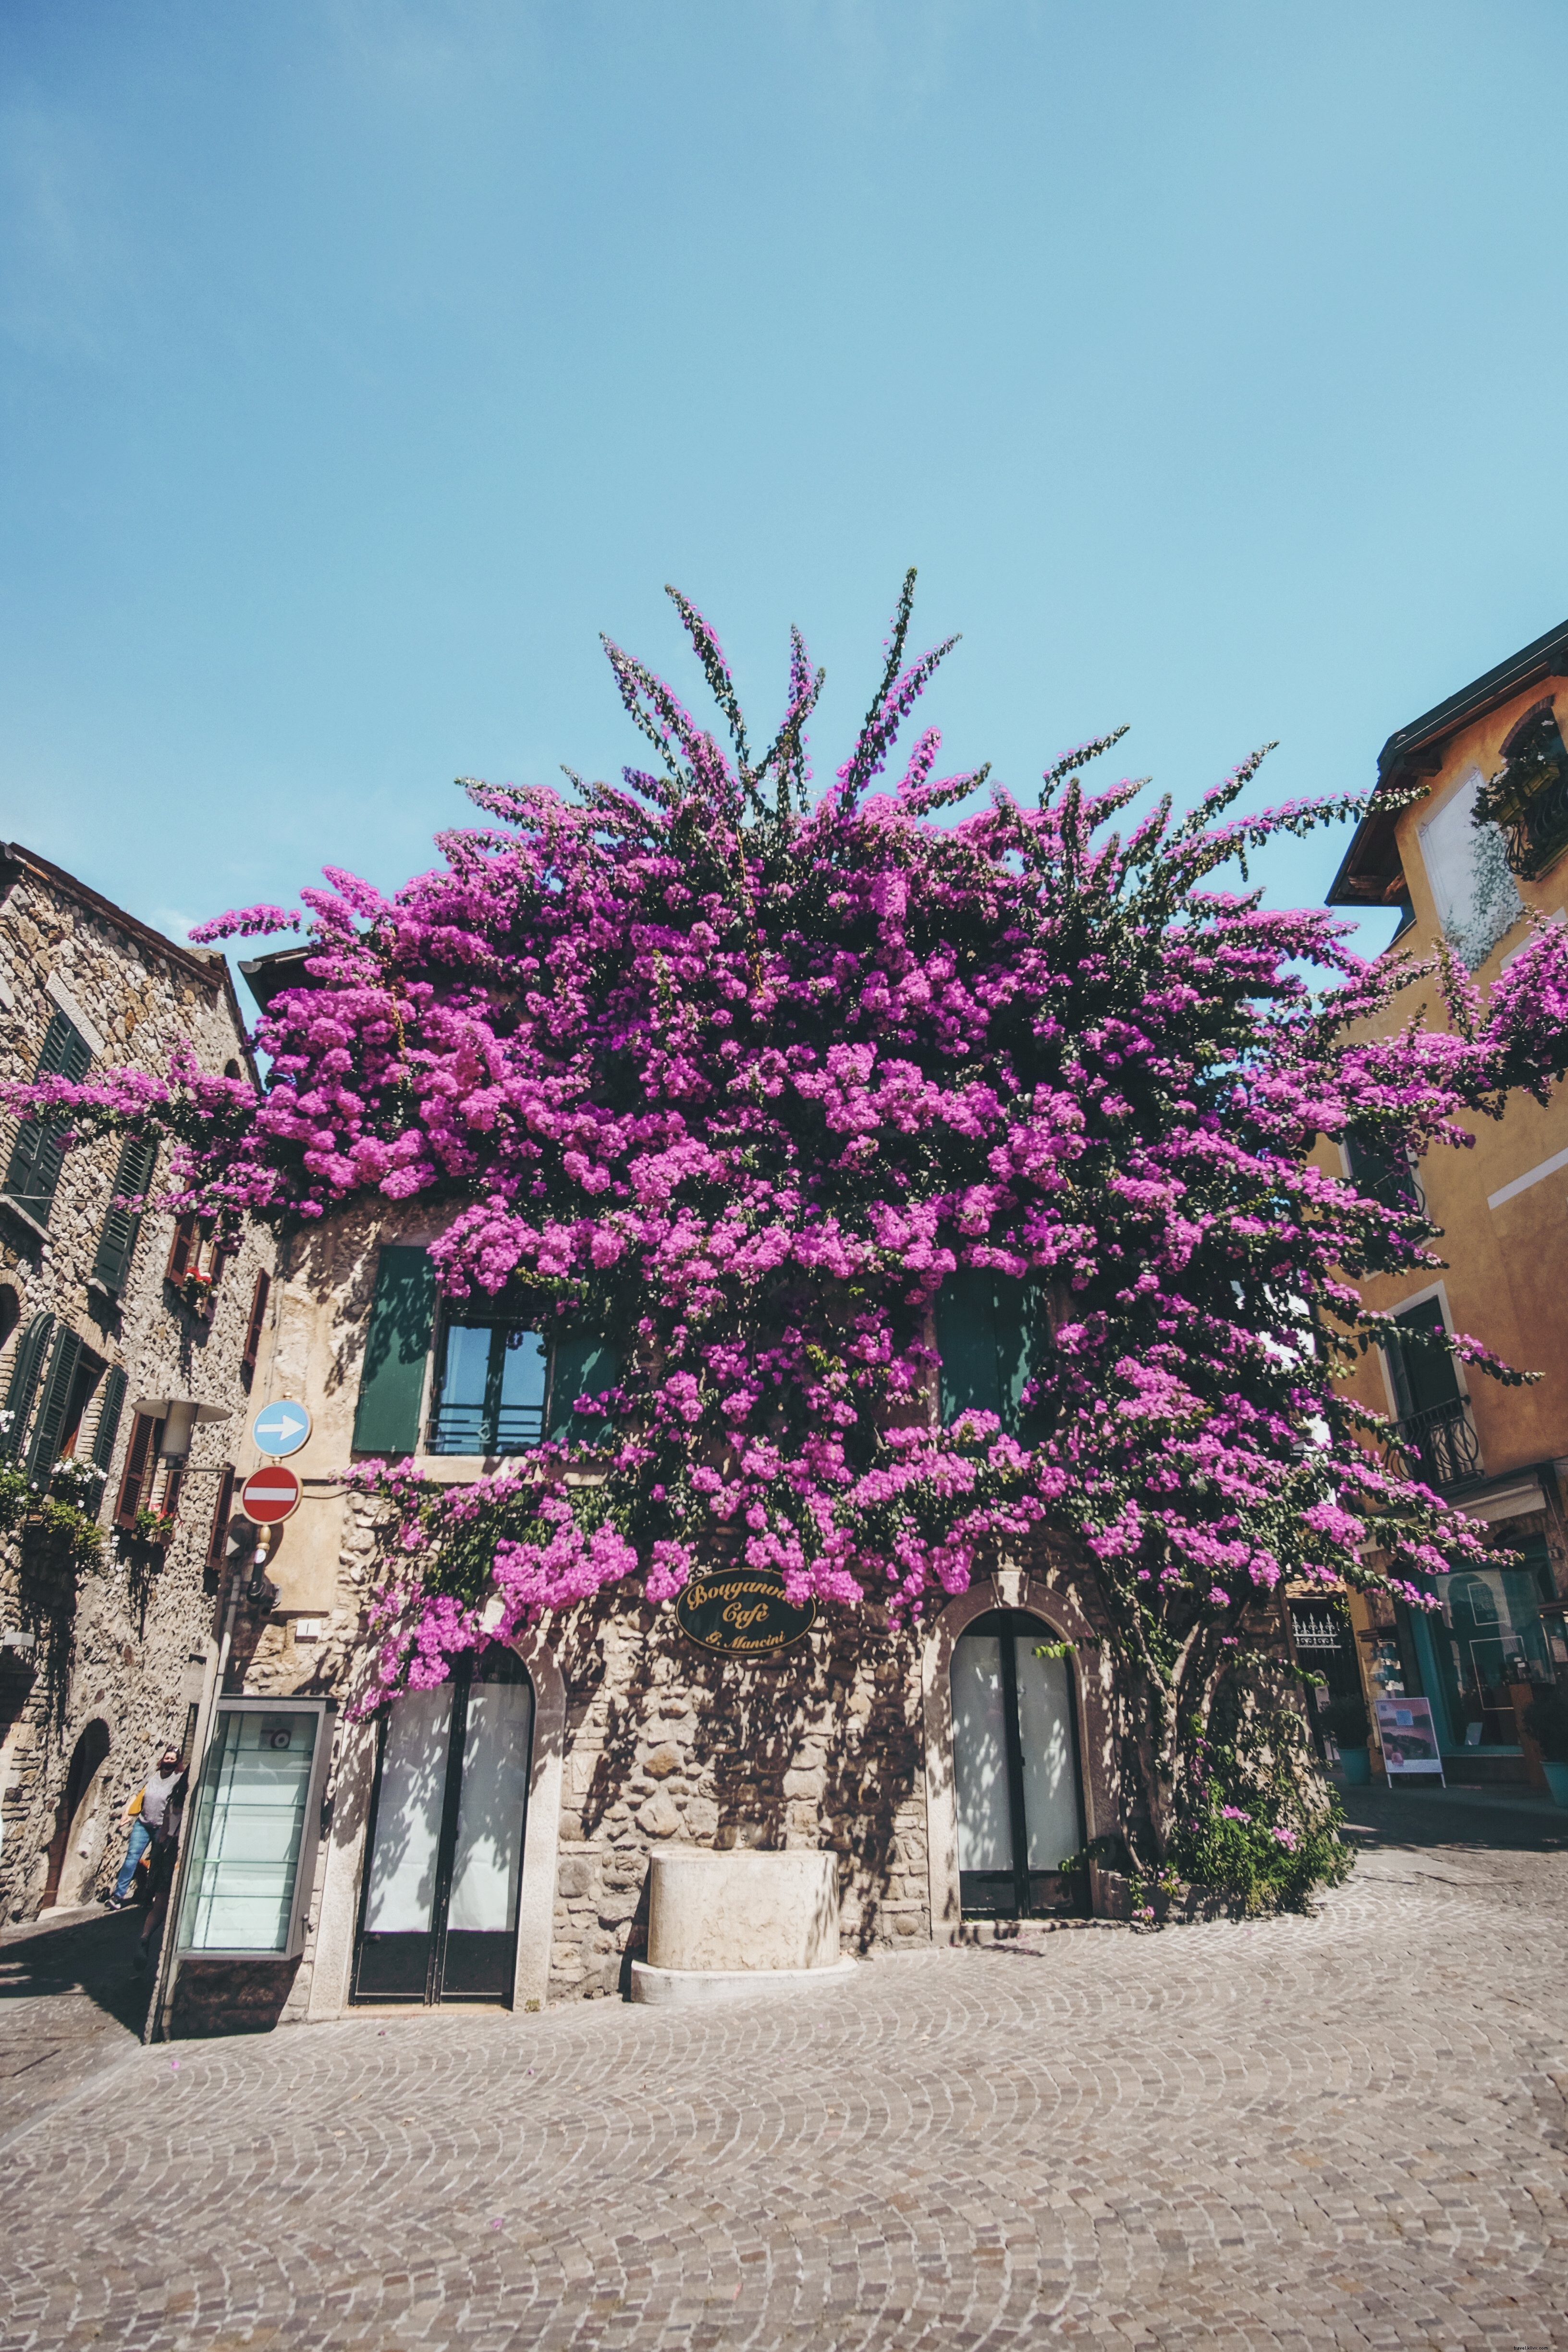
1499	1453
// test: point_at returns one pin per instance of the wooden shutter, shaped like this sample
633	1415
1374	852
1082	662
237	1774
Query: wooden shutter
1422	1380
111	1404
581	1364
173	1486
258	1319
392	1384
217	1535
140	1450
182	1249
39	1153
117	1242
25	1371
44	1451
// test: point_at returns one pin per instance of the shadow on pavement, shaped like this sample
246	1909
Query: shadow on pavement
1514	1819
92	1959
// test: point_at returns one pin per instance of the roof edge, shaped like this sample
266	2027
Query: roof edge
209	970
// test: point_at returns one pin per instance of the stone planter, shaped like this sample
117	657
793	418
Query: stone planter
1556	1780
729	1925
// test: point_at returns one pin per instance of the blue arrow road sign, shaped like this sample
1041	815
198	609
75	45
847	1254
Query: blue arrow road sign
281	1428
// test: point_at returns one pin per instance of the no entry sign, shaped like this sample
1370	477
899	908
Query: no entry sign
270	1495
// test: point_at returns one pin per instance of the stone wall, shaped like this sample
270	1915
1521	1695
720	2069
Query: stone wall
126	1648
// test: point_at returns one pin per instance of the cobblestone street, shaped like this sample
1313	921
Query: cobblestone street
1342	2131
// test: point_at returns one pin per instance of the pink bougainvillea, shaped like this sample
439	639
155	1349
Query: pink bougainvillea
739	1077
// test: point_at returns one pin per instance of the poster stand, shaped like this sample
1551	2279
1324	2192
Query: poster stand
1409	1737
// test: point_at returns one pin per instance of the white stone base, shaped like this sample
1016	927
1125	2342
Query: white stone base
689	1988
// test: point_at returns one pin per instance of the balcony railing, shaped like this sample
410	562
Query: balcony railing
1438	1446
469	1429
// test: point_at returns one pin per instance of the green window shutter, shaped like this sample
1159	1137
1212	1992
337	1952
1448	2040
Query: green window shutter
117	1242
581	1363
1422	1381
984	1330
25	1368
393	1380
37	1154
110	1406
966	1341
57	1385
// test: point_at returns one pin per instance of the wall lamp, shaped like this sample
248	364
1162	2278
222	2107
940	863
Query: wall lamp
179	1416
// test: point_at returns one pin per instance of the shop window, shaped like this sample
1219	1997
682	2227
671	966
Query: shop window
253	1832
1015	1772
1491	1646
985	1323
123	1225
39	1153
443	1866
253	1330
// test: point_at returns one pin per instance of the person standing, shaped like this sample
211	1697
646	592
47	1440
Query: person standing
146	1816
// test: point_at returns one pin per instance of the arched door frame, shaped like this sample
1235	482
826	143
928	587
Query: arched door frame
1010	1588
344	1847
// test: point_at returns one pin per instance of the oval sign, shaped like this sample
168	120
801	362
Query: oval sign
269	1495
742	1612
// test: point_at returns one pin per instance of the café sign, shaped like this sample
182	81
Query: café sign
742	1613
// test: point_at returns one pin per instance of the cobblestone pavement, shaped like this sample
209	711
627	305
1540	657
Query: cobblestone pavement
1343	2131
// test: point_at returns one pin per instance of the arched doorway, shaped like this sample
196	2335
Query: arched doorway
1016	1769
444	1857
82	1822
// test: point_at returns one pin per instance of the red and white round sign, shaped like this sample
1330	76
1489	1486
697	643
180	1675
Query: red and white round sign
270	1495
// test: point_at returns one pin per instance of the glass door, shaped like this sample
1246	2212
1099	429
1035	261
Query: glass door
1015	1762
438	1918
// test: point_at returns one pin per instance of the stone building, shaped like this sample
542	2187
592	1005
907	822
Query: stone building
125	1343
491	1840
1493	750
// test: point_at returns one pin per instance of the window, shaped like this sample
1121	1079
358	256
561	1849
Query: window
254	1836
122	1225
253	1330
141	1463
1380	1166
496	1384
173	1486
1435	1435
984	1328
184	1249
1529	794
1015	1764
1491	1646
491	1385
38	1152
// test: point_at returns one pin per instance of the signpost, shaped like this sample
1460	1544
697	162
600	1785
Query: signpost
269	1495
1409	1737
281	1428
742	1613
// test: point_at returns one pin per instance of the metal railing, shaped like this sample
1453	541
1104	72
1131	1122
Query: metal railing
469	1429
1438	1446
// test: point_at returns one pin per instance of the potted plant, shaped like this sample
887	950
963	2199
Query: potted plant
1546	1721
1348	1726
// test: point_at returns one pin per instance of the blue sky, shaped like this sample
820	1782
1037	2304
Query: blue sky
361	361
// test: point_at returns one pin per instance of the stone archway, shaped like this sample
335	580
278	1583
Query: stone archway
76	1850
